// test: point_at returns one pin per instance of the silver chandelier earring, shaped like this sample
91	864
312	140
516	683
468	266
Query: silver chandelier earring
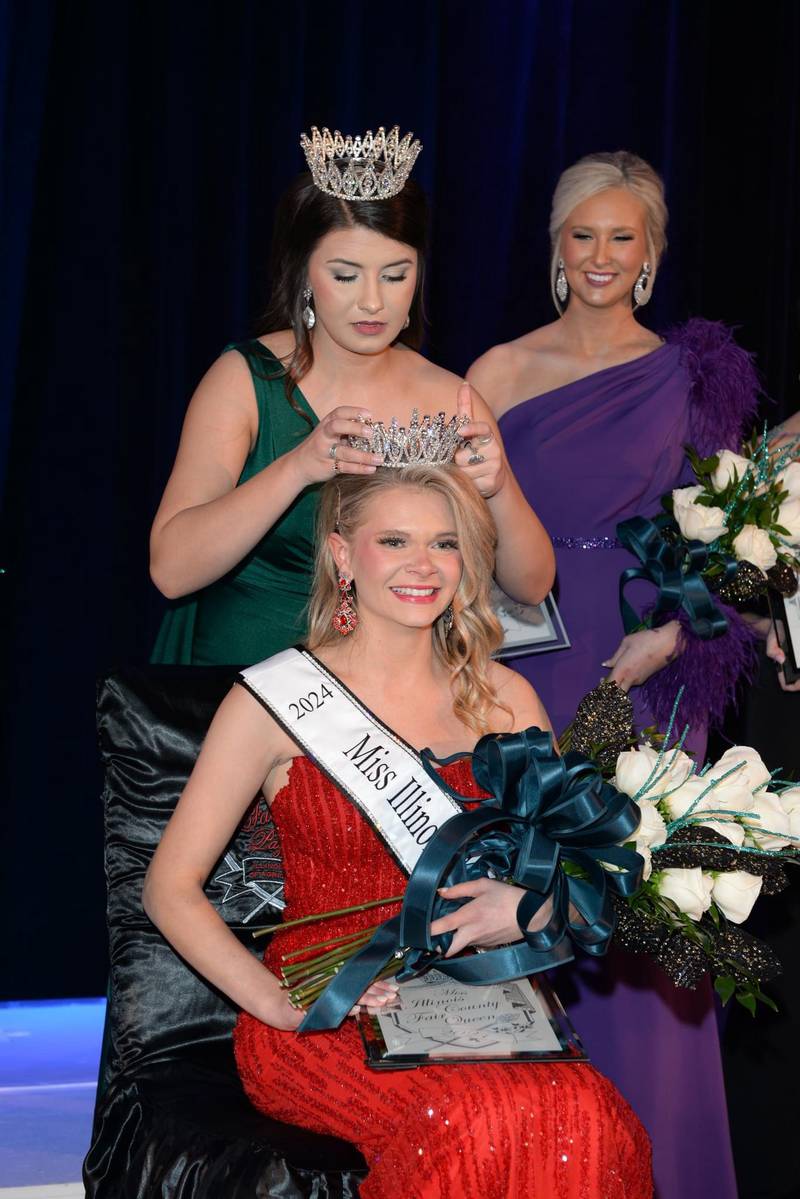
562	287
641	288
309	316
447	620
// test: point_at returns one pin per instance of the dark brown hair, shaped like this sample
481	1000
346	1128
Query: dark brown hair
304	215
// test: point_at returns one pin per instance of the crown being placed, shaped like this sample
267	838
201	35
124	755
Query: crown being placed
426	442
372	167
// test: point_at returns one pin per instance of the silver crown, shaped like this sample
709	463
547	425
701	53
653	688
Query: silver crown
426	442
372	167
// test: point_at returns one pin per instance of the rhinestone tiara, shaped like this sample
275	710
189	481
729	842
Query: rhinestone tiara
372	167
426	442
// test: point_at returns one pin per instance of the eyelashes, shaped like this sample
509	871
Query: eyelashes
386	278
398	542
588	237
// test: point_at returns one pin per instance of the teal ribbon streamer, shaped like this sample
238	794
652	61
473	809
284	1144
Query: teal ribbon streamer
675	569
544	813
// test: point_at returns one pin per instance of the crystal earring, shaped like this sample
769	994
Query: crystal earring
448	618
562	287
641	289
345	617
309	316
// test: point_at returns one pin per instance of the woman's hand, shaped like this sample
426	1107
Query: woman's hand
326	452
775	652
639	655
482	458
490	918
378	995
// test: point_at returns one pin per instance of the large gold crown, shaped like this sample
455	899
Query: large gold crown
372	167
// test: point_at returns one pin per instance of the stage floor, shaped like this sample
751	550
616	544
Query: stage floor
49	1054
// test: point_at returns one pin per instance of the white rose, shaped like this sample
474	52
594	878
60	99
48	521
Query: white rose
728	464
683	797
689	889
789	516
770	815
696	522
652	830
646	854
734	892
635	766
731	830
753	545
789	479
790	802
729	794
751	772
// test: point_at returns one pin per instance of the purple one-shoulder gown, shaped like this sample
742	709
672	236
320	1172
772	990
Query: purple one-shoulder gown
588	455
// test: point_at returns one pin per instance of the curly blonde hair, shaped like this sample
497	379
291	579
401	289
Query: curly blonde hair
596	173
476	631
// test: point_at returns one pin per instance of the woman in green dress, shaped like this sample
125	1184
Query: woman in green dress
232	541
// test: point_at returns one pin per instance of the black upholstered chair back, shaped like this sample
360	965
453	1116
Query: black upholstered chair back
172	1120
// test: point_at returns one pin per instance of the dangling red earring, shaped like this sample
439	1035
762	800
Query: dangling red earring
345	617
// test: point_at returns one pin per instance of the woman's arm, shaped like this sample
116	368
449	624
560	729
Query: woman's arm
205	524
242	746
525	564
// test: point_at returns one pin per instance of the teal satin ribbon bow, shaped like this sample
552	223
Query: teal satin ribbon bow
549	826
675	568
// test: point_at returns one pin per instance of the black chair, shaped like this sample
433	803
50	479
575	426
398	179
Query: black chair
172	1120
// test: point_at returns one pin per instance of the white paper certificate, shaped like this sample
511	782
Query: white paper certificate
437	1018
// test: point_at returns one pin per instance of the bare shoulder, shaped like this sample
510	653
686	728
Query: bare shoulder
504	374
515	692
225	394
281	344
421	372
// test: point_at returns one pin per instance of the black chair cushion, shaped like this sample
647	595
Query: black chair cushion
187	1131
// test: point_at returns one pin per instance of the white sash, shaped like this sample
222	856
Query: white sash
369	763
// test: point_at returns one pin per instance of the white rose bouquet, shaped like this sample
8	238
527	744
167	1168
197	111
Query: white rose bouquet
746	508
712	842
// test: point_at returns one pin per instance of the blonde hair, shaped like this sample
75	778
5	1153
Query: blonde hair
476	631
596	173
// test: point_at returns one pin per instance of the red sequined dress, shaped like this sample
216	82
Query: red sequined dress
549	1131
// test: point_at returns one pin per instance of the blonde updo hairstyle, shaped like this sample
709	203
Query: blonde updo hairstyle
596	173
476	631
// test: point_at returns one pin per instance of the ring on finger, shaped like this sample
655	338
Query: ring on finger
332	450
475	459
336	467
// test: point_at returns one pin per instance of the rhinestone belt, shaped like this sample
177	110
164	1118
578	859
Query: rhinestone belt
587	543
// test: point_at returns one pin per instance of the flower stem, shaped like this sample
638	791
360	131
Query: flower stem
359	907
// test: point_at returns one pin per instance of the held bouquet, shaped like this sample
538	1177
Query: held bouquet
716	544
746	508
633	839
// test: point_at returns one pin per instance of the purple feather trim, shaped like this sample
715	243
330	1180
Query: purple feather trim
725	384
708	670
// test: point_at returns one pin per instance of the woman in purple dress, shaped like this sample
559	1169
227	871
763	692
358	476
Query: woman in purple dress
595	411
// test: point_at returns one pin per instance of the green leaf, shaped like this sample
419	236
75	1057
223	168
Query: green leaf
766	999
748	1001
725	985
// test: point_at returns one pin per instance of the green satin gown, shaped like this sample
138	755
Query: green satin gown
259	607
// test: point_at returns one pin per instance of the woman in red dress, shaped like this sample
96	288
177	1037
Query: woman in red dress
416	546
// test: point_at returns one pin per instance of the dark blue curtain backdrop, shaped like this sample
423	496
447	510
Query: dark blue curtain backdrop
144	146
